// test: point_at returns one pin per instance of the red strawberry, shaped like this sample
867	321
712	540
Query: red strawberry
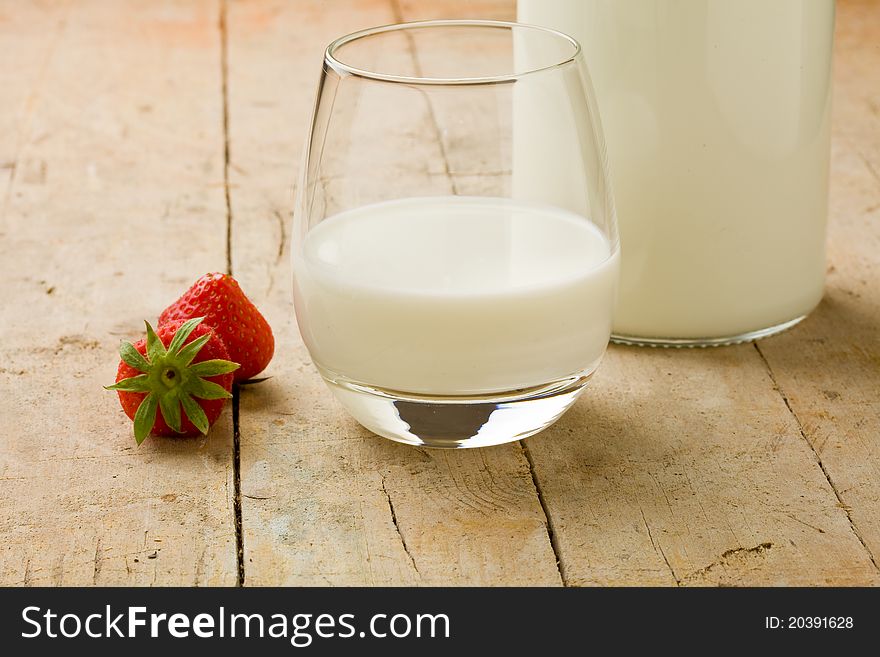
246	334
186	366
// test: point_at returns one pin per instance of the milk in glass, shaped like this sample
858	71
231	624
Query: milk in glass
455	295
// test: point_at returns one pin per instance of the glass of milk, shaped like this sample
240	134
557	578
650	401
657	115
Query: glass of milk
717	114
443	304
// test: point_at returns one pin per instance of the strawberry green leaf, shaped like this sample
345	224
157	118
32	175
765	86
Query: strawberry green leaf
207	390
213	367
190	351
132	357
174	385
155	348
137	383
145	417
182	334
195	413
169	405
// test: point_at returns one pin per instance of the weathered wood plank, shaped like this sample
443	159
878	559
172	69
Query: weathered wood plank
686	467
691	464
829	369
111	144
324	501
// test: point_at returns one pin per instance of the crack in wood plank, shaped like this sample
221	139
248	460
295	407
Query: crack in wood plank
282	235
800	426
397	528
870	167
805	524
282	243
659	548
98	561
725	557
548	519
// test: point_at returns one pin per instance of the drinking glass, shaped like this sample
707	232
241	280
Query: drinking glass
450	294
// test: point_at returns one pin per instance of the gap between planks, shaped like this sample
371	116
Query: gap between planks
236	432
816	455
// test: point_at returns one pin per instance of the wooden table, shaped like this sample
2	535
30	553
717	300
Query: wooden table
145	143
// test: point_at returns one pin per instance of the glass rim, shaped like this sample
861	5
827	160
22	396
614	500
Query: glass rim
342	68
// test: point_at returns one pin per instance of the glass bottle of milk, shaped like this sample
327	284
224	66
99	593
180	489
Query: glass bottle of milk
717	117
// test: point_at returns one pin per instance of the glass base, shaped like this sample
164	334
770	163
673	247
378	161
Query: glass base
705	342
454	422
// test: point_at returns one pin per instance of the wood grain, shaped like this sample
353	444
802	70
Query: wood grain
650	480
111	146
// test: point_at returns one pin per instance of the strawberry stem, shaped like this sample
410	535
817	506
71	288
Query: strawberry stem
171	380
